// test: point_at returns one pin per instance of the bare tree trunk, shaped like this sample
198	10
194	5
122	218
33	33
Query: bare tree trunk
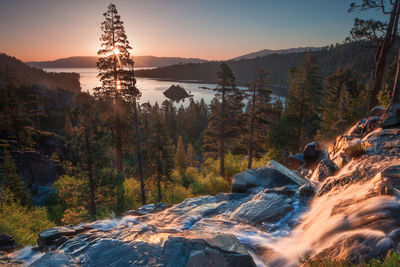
395	102
159	185
390	36
120	157
253	104
92	202
340	115
139	151
222	139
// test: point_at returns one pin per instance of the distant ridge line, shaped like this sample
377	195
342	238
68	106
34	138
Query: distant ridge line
269	52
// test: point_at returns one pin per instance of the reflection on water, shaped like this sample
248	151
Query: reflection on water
152	90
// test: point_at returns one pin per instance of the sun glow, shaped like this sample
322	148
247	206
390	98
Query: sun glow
116	51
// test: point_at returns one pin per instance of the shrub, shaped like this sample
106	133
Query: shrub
20	222
171	194
391	260
132	193
357	150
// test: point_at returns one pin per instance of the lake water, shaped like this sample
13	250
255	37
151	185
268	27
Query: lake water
152	90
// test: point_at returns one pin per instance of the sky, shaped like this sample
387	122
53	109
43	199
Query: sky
34	30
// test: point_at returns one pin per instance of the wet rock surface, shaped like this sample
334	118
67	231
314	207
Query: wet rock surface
274	216
7	243
264	207
269	176
312	153
324	169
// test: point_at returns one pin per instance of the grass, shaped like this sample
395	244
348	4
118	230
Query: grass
391	260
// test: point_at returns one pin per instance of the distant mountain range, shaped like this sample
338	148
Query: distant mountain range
90	62
268	52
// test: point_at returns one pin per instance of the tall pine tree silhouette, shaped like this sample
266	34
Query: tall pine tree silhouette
114	57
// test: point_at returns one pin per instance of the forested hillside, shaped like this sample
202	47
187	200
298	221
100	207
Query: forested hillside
356	55
24	75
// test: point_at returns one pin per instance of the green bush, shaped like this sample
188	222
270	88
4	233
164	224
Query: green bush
356	151
391	260
132	198
22	223
171	194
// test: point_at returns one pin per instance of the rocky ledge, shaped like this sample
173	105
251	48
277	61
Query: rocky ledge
337	202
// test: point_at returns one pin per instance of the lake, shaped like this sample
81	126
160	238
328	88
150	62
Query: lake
152	90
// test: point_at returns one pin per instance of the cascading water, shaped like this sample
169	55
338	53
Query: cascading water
354	214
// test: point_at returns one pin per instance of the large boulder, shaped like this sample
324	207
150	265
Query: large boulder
324	169
56	236
307	190
377	111
7	243
391	121
296	161
263	208
205	249
271	175
312	153
53	259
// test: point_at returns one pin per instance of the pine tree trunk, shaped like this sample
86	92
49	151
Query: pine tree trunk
120	159
140	155
92	202
395	102
13	113
159	186
340	116
222	139
253	104
390	36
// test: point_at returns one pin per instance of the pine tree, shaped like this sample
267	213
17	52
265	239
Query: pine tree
68	128
160	152
383	34
14	116
180	156
132	94
303	102
338	105
260	109
190	156
114	58
225	121
12	181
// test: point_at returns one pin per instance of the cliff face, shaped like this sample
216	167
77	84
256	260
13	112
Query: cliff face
349	208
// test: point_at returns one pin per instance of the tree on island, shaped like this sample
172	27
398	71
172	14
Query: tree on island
225	119
114	58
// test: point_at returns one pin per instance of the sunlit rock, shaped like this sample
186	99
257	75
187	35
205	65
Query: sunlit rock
271	175
296	161
324	169
264	207
53	259
205	249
